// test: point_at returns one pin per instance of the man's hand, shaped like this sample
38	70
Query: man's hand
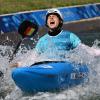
17	64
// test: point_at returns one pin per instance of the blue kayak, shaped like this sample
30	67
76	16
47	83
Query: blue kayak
50	76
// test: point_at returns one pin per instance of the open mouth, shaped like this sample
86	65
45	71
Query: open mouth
52	23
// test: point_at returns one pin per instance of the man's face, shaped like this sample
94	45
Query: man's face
52	21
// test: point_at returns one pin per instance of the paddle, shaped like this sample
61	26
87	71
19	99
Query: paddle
27	29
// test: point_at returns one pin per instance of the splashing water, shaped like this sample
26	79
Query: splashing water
90	91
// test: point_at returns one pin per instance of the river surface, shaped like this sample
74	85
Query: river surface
89	91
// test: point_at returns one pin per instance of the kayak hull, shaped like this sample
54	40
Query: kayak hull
50	76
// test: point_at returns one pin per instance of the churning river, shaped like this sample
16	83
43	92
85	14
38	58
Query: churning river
89	91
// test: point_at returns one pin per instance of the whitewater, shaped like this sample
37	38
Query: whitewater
89	91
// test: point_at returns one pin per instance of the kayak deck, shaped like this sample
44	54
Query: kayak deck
50	76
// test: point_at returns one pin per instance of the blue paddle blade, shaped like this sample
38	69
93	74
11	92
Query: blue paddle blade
27	29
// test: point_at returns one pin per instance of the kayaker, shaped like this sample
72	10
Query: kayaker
57	41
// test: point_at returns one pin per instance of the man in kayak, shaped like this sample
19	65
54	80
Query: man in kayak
57	41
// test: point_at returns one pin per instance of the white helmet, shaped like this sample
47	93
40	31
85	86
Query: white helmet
54	11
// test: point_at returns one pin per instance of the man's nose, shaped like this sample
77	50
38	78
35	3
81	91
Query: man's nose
51	17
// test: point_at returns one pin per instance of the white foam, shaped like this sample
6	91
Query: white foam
81	92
